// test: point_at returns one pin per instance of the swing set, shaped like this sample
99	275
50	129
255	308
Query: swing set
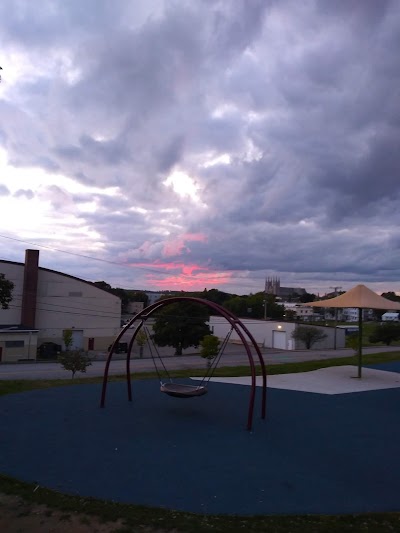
179	390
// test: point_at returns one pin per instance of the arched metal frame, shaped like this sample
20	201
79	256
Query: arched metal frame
237	325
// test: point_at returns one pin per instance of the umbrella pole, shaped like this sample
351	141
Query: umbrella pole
359	341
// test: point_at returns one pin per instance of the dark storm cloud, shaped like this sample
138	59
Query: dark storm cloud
284	114
28	26
95	152
171	154
27	193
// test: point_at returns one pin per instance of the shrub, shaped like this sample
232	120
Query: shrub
209	348
309	335
75	361
386	333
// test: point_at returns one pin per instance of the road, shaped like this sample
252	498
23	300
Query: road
233	356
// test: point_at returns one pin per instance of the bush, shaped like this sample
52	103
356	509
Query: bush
309	335
352	342
75	361
209	348
386	333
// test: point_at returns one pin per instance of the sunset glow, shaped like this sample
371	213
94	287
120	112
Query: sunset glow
186	277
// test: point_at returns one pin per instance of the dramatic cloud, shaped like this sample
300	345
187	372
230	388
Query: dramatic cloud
177	144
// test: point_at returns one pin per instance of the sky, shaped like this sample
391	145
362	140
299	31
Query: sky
180	145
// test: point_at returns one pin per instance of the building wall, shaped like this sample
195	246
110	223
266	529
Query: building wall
275	334
68	303
135	307
262	331
65	302
25	346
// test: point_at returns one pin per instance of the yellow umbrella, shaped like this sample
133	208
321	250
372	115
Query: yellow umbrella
362	298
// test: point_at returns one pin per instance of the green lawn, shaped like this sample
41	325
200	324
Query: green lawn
138	518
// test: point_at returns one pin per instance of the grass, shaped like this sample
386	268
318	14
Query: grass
141	518
137	517
15	386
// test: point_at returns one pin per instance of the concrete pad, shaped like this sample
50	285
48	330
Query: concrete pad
332	380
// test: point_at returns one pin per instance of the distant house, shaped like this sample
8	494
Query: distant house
390	317
154	296
302	312
350	314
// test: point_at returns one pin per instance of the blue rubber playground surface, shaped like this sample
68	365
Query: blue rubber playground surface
315	453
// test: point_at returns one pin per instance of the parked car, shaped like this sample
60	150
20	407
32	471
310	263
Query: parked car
121	348
48	350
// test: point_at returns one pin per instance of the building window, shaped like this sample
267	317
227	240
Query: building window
15	344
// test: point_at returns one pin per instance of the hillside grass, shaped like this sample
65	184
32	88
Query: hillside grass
15	386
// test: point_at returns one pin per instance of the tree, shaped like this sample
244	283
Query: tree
377	314
181	325
138	296
309	335
352	342
290	314
252	306
141	339
216	296
274	310
121	293
75	361
67	338
386	333
255	302
391	296
6	288
102	285
209	348
237	305
307	297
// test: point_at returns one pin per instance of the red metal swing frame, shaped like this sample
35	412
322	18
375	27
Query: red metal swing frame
242	331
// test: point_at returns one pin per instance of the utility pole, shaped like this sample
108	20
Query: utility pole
267	290
334	337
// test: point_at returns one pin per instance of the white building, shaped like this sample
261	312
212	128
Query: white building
153	296
302	312
390	317
275	334
46	303
350	314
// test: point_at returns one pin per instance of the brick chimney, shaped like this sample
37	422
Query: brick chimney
29	292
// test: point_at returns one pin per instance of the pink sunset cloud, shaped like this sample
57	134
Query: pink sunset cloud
188	277
179	244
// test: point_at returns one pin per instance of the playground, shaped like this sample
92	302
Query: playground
315	453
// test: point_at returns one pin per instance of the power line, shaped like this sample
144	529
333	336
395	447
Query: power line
69	312
146	269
